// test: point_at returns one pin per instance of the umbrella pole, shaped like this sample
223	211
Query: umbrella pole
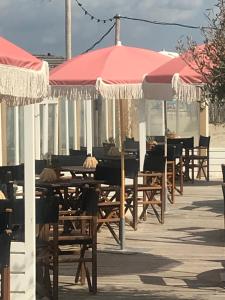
165	153
122	189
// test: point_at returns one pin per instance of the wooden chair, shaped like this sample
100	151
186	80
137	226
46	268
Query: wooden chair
159	150
47	208
178	160
109	200
5	240
153	187
200	158
80	238
109	209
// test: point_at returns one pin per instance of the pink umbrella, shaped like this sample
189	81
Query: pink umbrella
24	80
175	79
115	73
23	77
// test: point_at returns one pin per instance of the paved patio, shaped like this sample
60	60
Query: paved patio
182	259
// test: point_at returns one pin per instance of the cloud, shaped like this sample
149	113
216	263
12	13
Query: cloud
38	25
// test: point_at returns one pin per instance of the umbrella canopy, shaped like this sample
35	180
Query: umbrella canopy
115	72
176	79
23	77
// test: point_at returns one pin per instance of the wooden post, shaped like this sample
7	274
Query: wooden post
142	133
89	125
16	136
37	131
4	132
56	128
29	177
45	130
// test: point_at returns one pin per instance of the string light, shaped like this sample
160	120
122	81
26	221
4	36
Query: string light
90	15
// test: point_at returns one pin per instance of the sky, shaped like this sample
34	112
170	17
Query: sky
38	25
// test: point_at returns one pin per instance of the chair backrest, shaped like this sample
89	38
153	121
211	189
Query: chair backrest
68	160
188	143
11	173
40	164
47	209
204	141
155	161
131	144
223	171
98	152
5	239
110	170
78	152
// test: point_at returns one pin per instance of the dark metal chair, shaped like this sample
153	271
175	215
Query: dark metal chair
40	164
153	187
67	160
131	146
200	158
5	241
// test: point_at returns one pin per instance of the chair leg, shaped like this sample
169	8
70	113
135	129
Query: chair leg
5	283
135	204
80	267
181	176
207	166
55	262
94	257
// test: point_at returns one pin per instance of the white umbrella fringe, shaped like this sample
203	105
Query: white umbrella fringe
107	91
177	89
22	86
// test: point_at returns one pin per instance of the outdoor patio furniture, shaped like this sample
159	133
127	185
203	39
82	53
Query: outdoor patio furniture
77	171
15	172
200	158
47	207
109	206
78	152
81	237
67	160
40	164
178	159
131	146
185	163
152	188
5	241
223	171
98	152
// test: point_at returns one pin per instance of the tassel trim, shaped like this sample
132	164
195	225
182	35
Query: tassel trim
21	86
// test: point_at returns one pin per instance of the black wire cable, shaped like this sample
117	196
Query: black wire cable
162	23
99	41
139	19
